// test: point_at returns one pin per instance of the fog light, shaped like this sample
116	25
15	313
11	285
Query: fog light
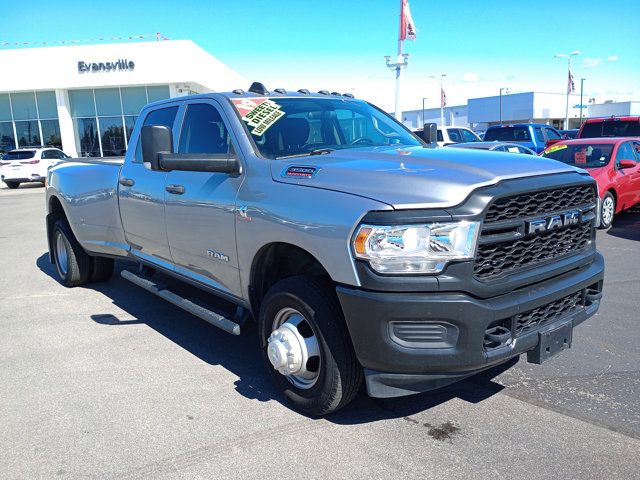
424	334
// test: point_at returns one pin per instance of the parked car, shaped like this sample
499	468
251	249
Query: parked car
362	254
28	165
451	135
496	147
532	135
569	134
610	127
613	162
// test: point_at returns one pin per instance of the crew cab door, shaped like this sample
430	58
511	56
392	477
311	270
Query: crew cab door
627	180
201	206
141	197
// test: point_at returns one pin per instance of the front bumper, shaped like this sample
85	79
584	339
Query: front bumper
22	179
450	328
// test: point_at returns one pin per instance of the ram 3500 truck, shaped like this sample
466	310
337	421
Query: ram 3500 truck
361	253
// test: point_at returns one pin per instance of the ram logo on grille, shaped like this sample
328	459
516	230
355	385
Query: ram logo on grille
541	225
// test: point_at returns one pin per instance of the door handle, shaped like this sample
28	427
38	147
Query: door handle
175	189
127	182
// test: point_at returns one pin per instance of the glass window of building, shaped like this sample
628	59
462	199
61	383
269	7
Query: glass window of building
133	100
82	103
108	101
28	133
5	108
86	133
47	107
7	140
112	136
24	106
51	133
158	92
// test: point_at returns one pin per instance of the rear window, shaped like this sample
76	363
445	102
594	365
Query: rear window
611	128
19	155
593	155
508	134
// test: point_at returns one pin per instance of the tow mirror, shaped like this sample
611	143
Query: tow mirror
430	132
155	139
627	163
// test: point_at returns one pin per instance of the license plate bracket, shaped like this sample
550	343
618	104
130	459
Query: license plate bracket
551	341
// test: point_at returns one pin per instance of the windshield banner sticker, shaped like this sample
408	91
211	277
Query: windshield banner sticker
258	113
555	148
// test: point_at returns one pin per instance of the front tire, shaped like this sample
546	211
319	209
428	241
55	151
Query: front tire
607	210
72	262
303	334
11	185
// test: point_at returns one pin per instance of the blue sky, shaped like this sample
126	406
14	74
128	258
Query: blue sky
481	45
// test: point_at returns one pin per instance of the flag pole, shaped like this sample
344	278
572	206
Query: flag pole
398	113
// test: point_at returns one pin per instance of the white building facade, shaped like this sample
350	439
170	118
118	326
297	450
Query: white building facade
85	98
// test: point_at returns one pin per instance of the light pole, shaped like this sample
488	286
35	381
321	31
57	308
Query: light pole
569	87
423	99
506	91
442	75
401	62
581	106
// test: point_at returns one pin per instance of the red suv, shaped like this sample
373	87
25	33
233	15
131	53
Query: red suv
613	162
610	127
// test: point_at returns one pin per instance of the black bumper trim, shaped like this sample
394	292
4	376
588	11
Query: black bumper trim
368	315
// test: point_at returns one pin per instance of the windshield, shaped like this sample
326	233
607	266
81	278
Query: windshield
283	127
611	128
592	155
507	134
19	155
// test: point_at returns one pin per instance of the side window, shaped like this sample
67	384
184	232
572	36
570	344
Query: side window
636	149
162	116
552	134
454	135
625	152
539	135
47	154
468	136
203	131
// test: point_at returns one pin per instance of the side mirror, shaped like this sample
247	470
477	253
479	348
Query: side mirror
200	162
155	139
627	163
430	132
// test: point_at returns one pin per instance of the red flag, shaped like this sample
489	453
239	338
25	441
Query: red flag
443	98
407	27
570	85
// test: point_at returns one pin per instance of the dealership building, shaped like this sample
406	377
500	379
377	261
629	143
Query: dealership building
86	98
526	107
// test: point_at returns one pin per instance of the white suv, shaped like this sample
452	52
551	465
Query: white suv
28	165
449	135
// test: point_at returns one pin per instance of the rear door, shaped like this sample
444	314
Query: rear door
201	206
141	196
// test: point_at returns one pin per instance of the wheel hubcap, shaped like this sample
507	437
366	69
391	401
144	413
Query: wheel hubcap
62	257
607	210
293	348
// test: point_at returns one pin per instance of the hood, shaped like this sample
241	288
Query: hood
412	177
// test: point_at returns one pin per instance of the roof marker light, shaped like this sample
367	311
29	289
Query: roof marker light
304	90
238	91
323	92
280	90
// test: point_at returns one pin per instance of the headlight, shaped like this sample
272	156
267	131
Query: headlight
425	248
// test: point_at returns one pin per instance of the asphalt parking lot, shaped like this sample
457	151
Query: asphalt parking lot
111	382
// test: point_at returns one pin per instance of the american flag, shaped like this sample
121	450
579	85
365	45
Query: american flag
407	27
443	98
570	85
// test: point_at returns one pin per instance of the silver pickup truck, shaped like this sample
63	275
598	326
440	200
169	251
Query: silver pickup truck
359	251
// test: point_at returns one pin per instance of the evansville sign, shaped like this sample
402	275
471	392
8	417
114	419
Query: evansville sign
119	65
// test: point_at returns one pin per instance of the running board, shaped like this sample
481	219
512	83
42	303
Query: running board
201	312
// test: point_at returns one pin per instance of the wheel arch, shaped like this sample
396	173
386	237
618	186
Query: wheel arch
55	211
276	261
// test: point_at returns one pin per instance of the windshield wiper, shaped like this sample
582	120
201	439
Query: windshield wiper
317	151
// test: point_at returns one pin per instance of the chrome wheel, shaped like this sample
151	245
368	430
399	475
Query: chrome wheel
293	348
62	254
608	208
